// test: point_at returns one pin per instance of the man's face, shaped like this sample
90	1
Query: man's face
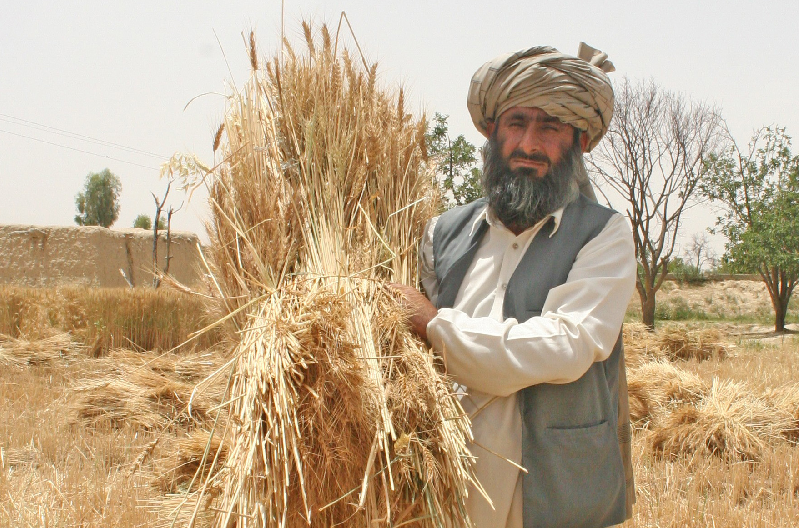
531	140
532	162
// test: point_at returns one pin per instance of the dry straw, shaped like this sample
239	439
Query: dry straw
678	342
339	415
729	422
147	390
21	352
656	387
673	342
640	344
786	399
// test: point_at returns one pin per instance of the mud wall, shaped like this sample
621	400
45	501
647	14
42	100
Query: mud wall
92	256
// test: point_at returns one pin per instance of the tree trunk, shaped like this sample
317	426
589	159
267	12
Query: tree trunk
648	308
779	318
779	289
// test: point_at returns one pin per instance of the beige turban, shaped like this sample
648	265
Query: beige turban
573	89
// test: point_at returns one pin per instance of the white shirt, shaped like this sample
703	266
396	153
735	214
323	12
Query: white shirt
494	358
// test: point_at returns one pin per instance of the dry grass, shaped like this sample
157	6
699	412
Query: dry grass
55	473
736	300
699	491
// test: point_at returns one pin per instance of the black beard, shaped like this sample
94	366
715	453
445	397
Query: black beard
518	197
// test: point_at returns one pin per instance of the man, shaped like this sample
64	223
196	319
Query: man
527	292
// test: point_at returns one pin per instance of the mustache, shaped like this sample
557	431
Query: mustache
539	157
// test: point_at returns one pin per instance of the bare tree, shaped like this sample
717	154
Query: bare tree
653	157
159	209
698	253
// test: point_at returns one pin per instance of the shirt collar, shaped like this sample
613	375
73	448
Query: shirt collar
489	217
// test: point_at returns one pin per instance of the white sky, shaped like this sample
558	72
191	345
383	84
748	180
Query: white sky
122	72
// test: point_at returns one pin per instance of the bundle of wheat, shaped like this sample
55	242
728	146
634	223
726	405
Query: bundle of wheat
786	399
339	415
657	385
186	459
640	344
133	391
21	352
679	342
729	422
184	366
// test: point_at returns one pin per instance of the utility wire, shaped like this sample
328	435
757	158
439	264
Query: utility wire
74	135
80	150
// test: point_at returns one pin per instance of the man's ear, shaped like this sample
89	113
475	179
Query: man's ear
584	141
490	128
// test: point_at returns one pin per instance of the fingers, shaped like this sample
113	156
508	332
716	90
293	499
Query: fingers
421	310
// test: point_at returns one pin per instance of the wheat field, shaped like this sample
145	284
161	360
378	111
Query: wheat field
104	438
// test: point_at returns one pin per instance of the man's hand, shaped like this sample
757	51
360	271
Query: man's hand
420	308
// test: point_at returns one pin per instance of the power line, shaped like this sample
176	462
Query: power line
80	150
74	135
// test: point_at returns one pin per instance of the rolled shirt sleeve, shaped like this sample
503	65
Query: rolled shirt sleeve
579	324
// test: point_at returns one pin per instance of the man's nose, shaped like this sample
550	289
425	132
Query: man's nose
530	140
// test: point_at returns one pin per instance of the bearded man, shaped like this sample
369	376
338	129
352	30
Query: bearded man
527	291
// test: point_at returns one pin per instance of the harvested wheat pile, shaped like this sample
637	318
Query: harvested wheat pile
338	415
185	366
146	390
21	352
679	342
673	342
657	385
640	344
187	459
786	399
729	422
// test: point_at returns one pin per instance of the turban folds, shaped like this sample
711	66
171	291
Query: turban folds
573	89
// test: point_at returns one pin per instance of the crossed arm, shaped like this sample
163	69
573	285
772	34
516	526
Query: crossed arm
579	323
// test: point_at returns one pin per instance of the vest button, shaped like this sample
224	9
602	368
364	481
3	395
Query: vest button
504	285
515	245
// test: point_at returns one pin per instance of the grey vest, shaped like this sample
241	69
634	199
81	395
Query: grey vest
570	448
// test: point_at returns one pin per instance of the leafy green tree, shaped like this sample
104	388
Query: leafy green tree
144	221
760	190
458	170
686	272
98	204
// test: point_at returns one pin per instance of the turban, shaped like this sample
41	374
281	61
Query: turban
573	89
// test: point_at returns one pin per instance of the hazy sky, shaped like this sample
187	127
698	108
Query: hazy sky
86	85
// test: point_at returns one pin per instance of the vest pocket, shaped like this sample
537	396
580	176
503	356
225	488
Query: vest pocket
585	476
591	429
